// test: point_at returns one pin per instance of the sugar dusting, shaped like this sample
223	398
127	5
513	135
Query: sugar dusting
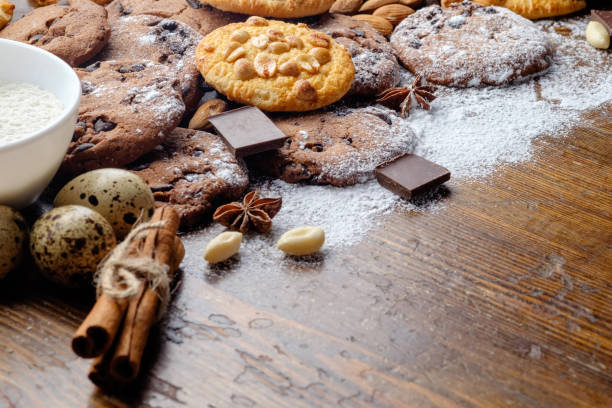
470	131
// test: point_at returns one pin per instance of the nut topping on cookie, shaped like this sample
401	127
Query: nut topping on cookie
269	58
305	91
265	65
240	36
289	68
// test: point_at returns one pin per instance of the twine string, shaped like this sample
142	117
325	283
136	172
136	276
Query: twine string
120	275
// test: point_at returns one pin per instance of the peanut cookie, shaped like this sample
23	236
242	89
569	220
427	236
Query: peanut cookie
74	30
196	15
274	8
162	41
6	12
376	68
275	66
192	171
471	45
533	9
340	146
128	108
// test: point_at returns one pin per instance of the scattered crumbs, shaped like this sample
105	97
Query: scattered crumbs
535	352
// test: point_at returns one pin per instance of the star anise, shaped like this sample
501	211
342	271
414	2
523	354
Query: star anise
252	213
401	98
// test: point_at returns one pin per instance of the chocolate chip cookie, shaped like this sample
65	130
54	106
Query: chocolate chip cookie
162	41
192	171
198	16
471	45
74	30
341	146
376	68
128	107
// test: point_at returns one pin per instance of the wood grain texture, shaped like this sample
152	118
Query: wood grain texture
500	298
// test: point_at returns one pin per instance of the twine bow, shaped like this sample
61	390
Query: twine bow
120	275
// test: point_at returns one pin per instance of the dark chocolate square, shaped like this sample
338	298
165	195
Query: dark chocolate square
409	175
247	131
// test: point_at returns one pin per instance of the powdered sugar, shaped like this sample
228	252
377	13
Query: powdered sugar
470	131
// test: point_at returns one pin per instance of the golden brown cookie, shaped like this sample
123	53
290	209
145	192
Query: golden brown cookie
6	12
532	9
274	8
275	66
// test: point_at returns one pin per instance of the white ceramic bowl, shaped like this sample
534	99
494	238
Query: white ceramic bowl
27	165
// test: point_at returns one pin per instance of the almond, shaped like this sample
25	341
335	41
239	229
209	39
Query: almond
411	3
321	54
279	47
289	68
380	24
371	5
199	120
345	6
243	69
394	13
308	63
240	36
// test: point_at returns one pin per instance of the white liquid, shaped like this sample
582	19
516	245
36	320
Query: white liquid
24	109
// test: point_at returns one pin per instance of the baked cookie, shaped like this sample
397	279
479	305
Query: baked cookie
196	15
340	146
162	41
471	45
192	171
275	66
532	9
128	107
6	12
274	8
376	68
74	30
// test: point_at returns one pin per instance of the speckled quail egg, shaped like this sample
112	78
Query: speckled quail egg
119	195
68	242
12	239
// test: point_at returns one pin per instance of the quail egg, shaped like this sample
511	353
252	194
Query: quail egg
68	242
119	195
12	239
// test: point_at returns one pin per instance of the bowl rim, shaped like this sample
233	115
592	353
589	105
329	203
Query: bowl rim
73	81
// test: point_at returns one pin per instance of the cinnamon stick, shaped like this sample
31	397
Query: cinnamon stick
161	245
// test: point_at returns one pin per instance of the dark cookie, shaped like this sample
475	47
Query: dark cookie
376	68
160	40
198	16
75	32
339	147
193	171
470	45
127	108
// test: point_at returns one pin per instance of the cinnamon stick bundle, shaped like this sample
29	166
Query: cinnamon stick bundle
116	330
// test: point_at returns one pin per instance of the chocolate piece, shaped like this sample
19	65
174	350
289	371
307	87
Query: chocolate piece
409	175
604	17
247	131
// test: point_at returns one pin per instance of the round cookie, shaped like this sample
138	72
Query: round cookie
164	41
192	171
74	30
128	107
275	66
533	9
471	45
376	68
196	15
339	147
274	8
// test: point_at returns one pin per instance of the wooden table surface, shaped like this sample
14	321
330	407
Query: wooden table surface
501	298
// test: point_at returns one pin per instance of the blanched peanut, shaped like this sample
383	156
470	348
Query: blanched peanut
223	246
301	241
597	35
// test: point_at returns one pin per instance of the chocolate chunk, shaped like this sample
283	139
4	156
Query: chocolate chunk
35	38
247	131
194	4
604	17
409	175
162	188
103	126
92	67
82	147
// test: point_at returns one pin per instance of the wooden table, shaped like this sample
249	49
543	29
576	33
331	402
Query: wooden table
502	298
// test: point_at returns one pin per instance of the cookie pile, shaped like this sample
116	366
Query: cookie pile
145	67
